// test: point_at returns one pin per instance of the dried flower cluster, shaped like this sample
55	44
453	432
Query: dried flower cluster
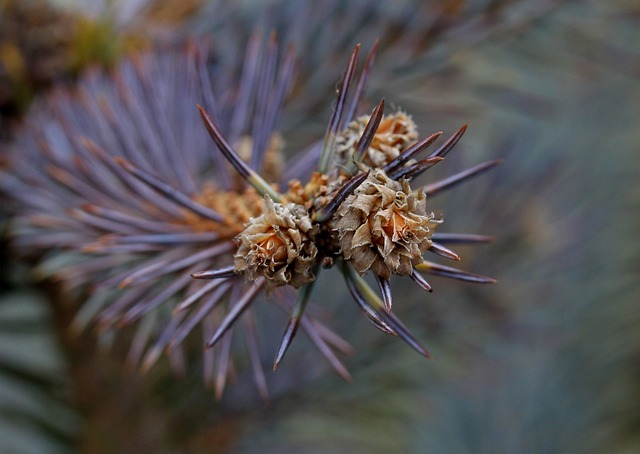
395	134
278	246
119	188
384	227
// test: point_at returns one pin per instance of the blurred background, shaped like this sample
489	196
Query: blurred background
546	361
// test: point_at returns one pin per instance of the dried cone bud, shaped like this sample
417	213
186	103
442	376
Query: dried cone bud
383	226
396	133
277	245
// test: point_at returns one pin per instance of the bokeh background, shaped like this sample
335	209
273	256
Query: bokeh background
546	361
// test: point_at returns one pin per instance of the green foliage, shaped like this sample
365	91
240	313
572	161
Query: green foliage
35	415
